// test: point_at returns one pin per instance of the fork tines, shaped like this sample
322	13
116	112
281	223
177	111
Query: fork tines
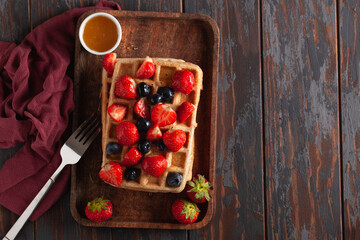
87	131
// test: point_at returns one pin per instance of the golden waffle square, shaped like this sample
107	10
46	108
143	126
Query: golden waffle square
181	161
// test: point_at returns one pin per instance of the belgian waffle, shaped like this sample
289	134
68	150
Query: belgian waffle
181	161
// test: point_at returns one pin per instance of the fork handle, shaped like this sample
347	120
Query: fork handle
15	229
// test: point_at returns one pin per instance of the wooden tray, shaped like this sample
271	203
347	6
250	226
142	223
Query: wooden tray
191	37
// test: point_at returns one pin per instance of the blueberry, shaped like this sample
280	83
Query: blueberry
112	148
160	144
143	89
155	99
144	146
143	125
167	93
174	179
131	174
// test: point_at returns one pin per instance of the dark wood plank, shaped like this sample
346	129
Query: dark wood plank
154	6
43	10
239	173
14	20
160	6
131	5
303	189
349	18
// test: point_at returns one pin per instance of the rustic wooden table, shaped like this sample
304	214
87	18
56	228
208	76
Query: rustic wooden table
288	130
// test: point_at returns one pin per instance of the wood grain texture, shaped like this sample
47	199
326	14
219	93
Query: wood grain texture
350	101
14	20
303	188
239	172
43	10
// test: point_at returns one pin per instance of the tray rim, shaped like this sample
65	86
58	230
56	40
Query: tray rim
212	152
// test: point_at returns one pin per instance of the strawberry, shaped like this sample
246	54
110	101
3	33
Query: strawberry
184	111
183	81
198	188
117	112
185	212
127	133
154	165
108	63
99	210
174	139
125	87
163	115
154	133
111	173
146	70
142	109
132	157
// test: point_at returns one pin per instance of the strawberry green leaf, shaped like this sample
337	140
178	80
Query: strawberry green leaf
199	195
191	183
201	187
201	178
98	204
192	216
207	196
189	209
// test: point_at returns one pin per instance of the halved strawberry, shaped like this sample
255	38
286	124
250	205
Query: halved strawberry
108	63
117	111
146	70
198	189
125	87
111	173
183	81
127	133
142	109
174	139
184	111
154	165
154	133
132	157
163	115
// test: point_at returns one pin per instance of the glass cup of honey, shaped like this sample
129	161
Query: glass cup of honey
100	33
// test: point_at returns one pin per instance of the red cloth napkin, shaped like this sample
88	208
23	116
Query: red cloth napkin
36	98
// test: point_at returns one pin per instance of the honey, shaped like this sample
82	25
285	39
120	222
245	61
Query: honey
100	34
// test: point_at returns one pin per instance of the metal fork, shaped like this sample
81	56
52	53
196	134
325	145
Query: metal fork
71	153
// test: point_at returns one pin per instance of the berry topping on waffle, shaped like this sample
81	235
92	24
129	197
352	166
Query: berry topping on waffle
156	150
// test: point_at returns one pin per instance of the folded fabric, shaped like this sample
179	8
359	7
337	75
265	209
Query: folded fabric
36	99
